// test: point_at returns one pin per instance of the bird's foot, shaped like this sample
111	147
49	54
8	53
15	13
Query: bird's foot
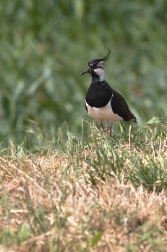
109	132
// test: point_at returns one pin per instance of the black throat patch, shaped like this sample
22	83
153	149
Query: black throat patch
99	94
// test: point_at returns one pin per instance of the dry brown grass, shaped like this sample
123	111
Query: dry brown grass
61	213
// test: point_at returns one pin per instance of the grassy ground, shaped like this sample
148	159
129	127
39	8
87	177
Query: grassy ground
94	193
44	47
63	186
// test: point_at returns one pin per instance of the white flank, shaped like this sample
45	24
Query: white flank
104	113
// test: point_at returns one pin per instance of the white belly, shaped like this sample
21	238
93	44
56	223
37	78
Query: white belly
104	113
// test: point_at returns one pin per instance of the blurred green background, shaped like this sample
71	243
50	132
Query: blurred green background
44	45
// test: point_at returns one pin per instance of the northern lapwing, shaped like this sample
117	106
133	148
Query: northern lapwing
102	102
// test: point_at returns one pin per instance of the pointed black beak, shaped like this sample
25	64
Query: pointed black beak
85	71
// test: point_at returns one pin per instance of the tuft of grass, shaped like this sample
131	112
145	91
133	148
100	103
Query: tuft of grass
94	193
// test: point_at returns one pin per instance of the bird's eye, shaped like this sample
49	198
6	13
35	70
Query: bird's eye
92	65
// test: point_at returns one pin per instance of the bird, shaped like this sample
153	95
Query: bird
102	102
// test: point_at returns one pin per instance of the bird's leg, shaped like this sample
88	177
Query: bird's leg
110	129
101	128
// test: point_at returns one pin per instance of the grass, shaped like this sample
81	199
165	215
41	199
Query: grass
63	186
94	193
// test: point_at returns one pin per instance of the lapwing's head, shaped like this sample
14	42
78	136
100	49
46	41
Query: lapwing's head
96	67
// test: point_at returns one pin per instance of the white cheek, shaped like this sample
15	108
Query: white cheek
100	73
